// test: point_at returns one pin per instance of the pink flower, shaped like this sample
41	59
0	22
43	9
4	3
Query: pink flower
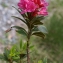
43	12
26	6
36	7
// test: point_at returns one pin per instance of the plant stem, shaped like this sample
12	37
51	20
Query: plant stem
28	58
29	35
10	61
20	60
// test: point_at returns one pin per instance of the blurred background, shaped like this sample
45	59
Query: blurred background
51	47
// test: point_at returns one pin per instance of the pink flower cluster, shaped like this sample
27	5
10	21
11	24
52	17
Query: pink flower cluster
36	7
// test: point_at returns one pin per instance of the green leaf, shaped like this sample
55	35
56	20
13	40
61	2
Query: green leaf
40	34
37	23
26	21
17	9
16	58
45	60
13	51
42	29
6	57
19	19
23	15
21	30
37	18
24	46
21	44
22	56
31	47
6	54
40	61
35	28
1	56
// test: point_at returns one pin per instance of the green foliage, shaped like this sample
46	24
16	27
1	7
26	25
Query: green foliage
37	18
9	54
40	61
16	9
19	19
16	53
21	30
22	47
35	21
42	29
40	34
43	61
35	27
5	55
53	43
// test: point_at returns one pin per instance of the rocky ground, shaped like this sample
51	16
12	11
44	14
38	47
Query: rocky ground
6	21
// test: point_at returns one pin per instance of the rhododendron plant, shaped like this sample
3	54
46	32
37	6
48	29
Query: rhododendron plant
37	7
33	12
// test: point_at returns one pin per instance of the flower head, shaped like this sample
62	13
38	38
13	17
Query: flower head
37	7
